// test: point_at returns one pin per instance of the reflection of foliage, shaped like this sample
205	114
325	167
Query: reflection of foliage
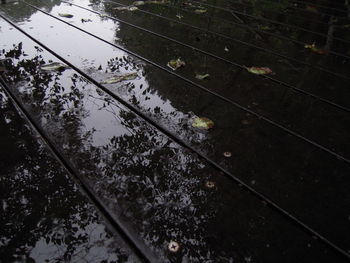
155	184
45	217
21	14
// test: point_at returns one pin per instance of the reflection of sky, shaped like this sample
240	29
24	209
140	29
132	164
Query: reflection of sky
94	118
89	56
88	53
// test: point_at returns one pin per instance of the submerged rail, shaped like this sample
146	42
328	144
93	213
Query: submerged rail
263	19
287	8
217	34
244	185
140	250
271	122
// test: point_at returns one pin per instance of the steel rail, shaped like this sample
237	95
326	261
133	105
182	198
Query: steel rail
221	35
114	221
286	14
238	181
245	26
225	60
237	105
289	7
259	18
314	4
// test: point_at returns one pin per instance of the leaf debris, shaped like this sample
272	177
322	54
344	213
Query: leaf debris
65	15
315	49
174	64
54	66
202	123
116	79
259	70
138	3
202	77
128	8
200	11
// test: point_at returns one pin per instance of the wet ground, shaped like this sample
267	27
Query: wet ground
100	157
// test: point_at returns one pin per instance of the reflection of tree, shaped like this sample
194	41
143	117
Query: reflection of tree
45	216
142	173
21	14
154	183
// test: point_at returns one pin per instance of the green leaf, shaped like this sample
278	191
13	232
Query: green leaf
158	2
116	79
200	11
54	66
202	123
260	70
174	64
65	15
311	9
202	77
264	27
314	49
138	3
128	8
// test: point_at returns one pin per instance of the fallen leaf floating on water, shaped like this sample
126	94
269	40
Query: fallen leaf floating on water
202	77
259	70
313	48
174	64
202	123
200	11
54	66
138	3
158	2
264	27
128	8
65	15
312	9
83	20
116	79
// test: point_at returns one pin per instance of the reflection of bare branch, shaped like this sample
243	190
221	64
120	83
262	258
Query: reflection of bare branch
242	22
111	110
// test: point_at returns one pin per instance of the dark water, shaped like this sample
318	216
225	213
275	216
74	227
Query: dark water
289	146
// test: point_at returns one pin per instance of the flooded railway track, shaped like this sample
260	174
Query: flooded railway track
193	131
